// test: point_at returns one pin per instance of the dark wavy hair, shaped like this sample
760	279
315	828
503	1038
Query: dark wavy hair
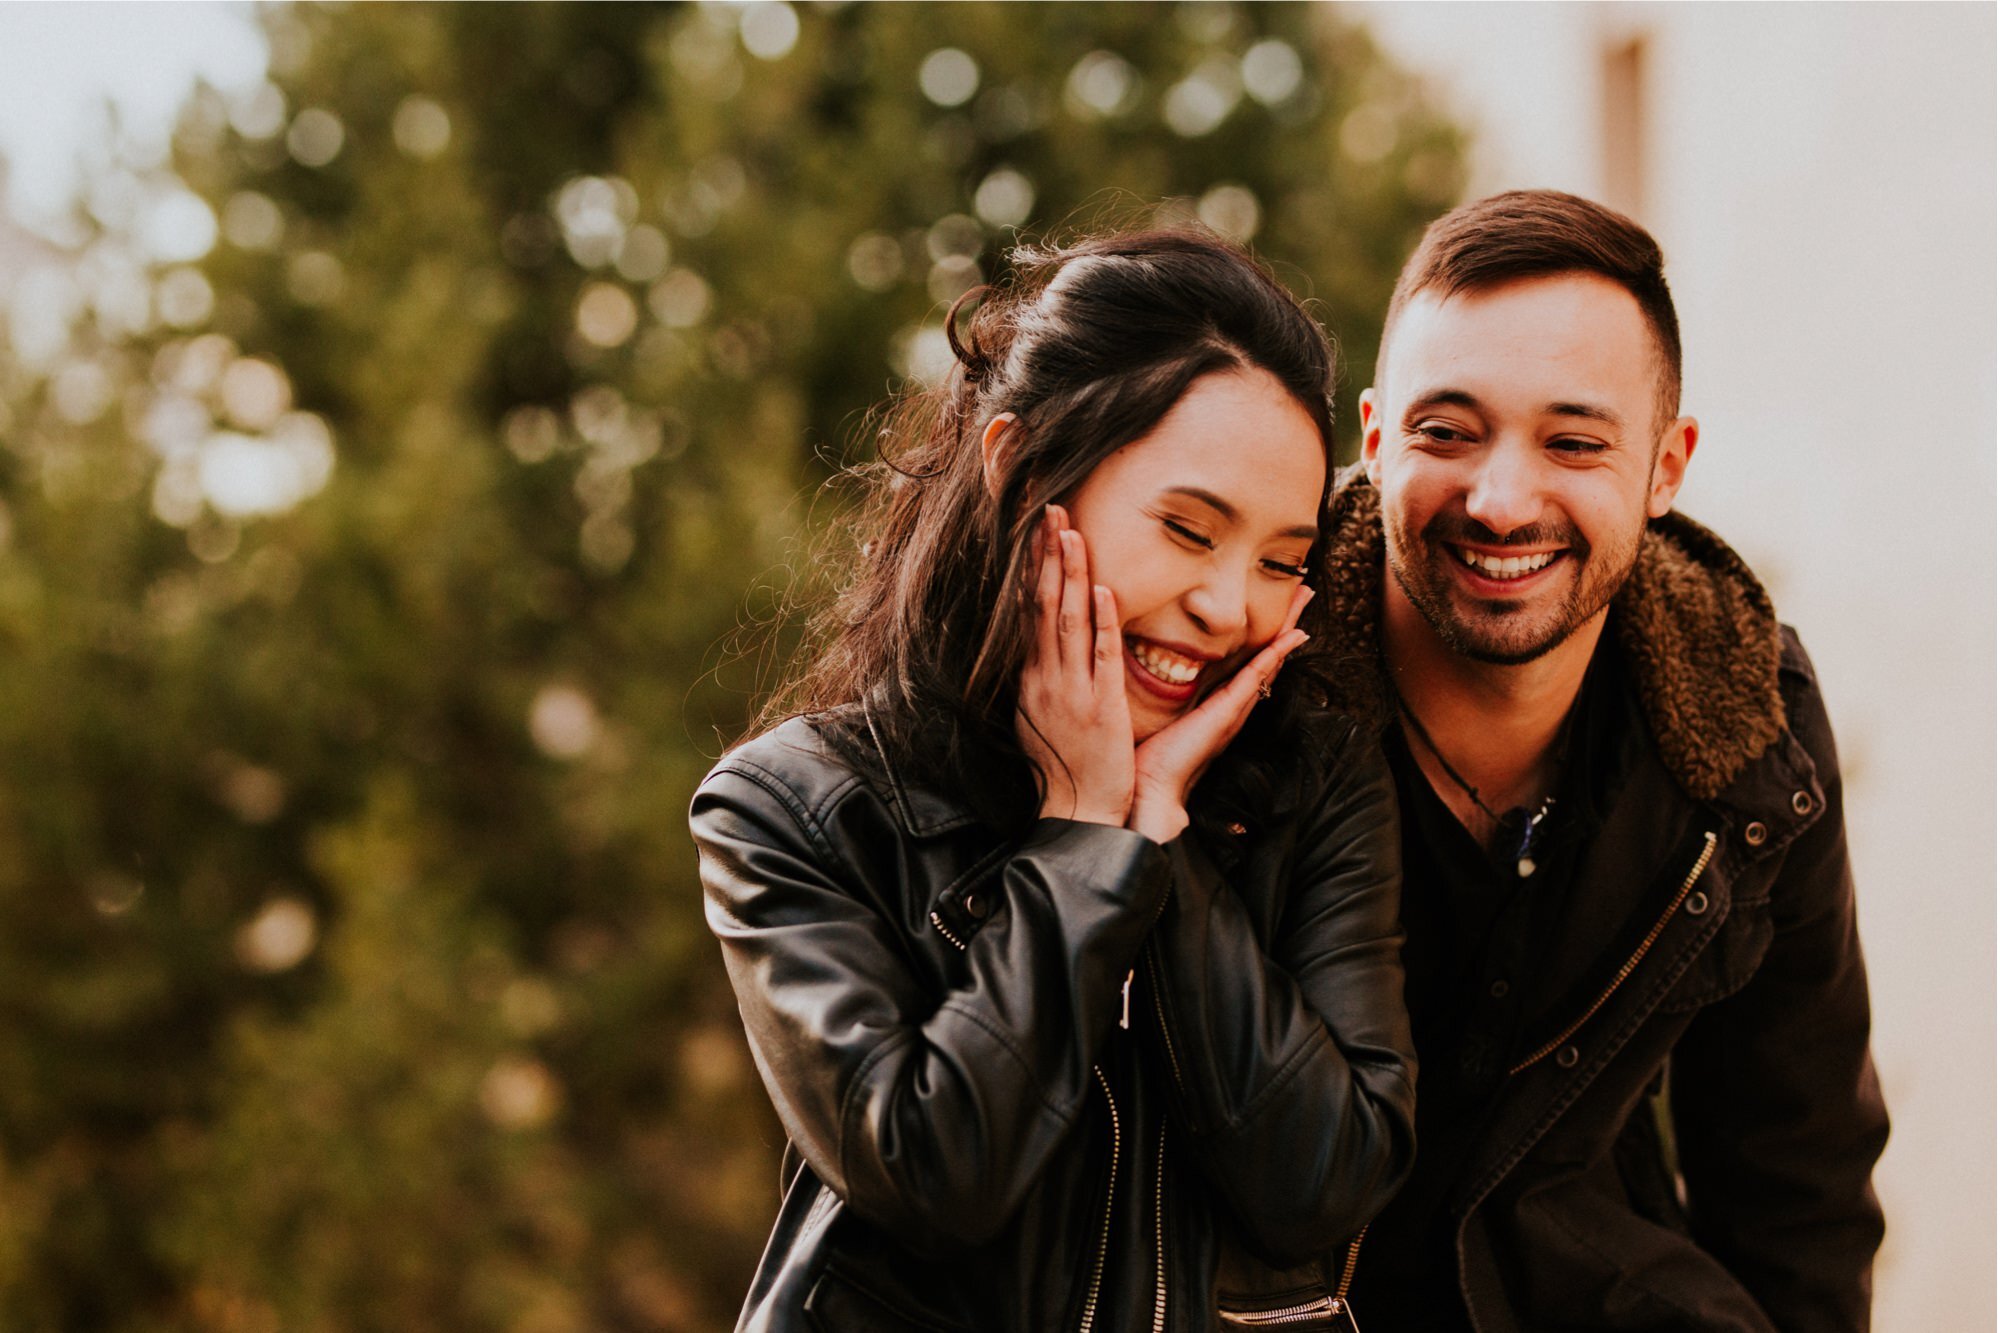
1089	344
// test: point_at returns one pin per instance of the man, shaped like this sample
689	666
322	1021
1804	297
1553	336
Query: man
1645	1099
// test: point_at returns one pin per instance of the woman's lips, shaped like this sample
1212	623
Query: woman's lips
1171	675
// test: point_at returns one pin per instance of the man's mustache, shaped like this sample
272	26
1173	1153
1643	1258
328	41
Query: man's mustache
1464	530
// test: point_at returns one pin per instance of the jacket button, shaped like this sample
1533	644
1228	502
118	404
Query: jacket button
1697	904
1801	802
1498	990
975	906
1754	833
1568	1056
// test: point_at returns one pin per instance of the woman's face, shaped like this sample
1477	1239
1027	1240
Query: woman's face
1201	528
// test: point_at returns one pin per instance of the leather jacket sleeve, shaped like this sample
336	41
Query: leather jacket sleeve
1292	1063
1778	1115
932	1119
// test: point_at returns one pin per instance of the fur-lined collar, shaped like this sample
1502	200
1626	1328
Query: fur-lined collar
1696	626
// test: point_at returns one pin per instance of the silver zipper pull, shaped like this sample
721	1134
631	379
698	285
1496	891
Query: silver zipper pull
1125	1003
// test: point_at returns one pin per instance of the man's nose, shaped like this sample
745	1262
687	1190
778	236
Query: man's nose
1505	493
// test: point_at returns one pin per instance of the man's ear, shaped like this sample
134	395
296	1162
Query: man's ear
1670	462
1371	435
997	444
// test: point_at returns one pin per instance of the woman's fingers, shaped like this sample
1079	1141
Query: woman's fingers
1107	674
1214	723
1253	682
1074	624
1048	588
1300	596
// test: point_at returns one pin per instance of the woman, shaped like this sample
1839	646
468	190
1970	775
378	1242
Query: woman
1063	927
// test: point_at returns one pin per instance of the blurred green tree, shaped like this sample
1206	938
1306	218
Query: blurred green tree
417	435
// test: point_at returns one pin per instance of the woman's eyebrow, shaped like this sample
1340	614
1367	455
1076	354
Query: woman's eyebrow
1229	512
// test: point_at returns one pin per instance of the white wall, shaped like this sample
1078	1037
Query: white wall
1822	180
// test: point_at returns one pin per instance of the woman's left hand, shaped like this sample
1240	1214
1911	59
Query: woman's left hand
1172	760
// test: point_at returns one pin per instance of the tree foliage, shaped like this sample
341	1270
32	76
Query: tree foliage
420	432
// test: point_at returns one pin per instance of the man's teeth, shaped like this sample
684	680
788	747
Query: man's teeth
1512	567
1169	666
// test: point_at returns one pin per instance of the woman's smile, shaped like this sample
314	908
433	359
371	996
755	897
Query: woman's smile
1170	672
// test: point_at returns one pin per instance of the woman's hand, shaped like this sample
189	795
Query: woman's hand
1073	719
1173	758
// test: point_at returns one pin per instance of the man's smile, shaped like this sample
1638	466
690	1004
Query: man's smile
1517	571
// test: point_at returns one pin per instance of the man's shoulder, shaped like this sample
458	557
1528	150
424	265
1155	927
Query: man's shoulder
1705	651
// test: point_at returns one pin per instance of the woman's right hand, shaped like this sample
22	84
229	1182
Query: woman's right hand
1073	720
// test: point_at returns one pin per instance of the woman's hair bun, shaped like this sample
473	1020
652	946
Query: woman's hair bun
968	351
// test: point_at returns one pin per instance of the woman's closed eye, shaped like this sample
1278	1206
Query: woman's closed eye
1286	569
1188	534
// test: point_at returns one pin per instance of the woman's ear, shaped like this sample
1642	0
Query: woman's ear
996	450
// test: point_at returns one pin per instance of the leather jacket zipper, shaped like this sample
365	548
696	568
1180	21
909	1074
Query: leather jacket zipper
1160	1234
1631	964
1315	1311
943	930
1160	1008
1110	1196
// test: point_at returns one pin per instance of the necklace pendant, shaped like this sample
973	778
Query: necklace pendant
1525	866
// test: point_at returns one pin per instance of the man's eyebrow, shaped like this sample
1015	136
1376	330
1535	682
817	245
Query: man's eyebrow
1588	411
1461	398
1442	398
1229	512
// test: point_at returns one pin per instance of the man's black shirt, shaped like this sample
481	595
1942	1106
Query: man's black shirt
1495	962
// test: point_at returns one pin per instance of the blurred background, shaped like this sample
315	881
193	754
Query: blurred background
409	419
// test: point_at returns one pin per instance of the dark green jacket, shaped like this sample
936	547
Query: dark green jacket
1743	1009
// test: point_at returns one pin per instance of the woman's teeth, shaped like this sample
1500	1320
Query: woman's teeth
1164	663
1513	567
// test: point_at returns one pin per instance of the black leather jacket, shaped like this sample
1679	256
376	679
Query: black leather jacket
1074	1081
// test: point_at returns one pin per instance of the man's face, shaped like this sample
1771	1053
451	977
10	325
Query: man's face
1518	455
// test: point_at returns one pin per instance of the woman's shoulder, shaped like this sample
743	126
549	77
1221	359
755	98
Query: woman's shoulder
814	753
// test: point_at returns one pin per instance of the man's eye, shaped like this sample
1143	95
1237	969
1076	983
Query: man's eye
1566	445
1188	534
1435	432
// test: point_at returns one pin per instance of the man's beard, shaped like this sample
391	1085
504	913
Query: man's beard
1504	632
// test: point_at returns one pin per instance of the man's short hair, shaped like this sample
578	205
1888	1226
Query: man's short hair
1542	233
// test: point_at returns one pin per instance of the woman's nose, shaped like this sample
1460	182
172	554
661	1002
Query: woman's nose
1220	604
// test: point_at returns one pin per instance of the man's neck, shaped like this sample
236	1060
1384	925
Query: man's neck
1494	728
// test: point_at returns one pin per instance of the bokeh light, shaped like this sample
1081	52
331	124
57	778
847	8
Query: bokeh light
315	137
949	77
421	128
279	937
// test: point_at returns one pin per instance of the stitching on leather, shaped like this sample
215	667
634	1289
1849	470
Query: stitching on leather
973	1017
806	817
1286	1073
889	1045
